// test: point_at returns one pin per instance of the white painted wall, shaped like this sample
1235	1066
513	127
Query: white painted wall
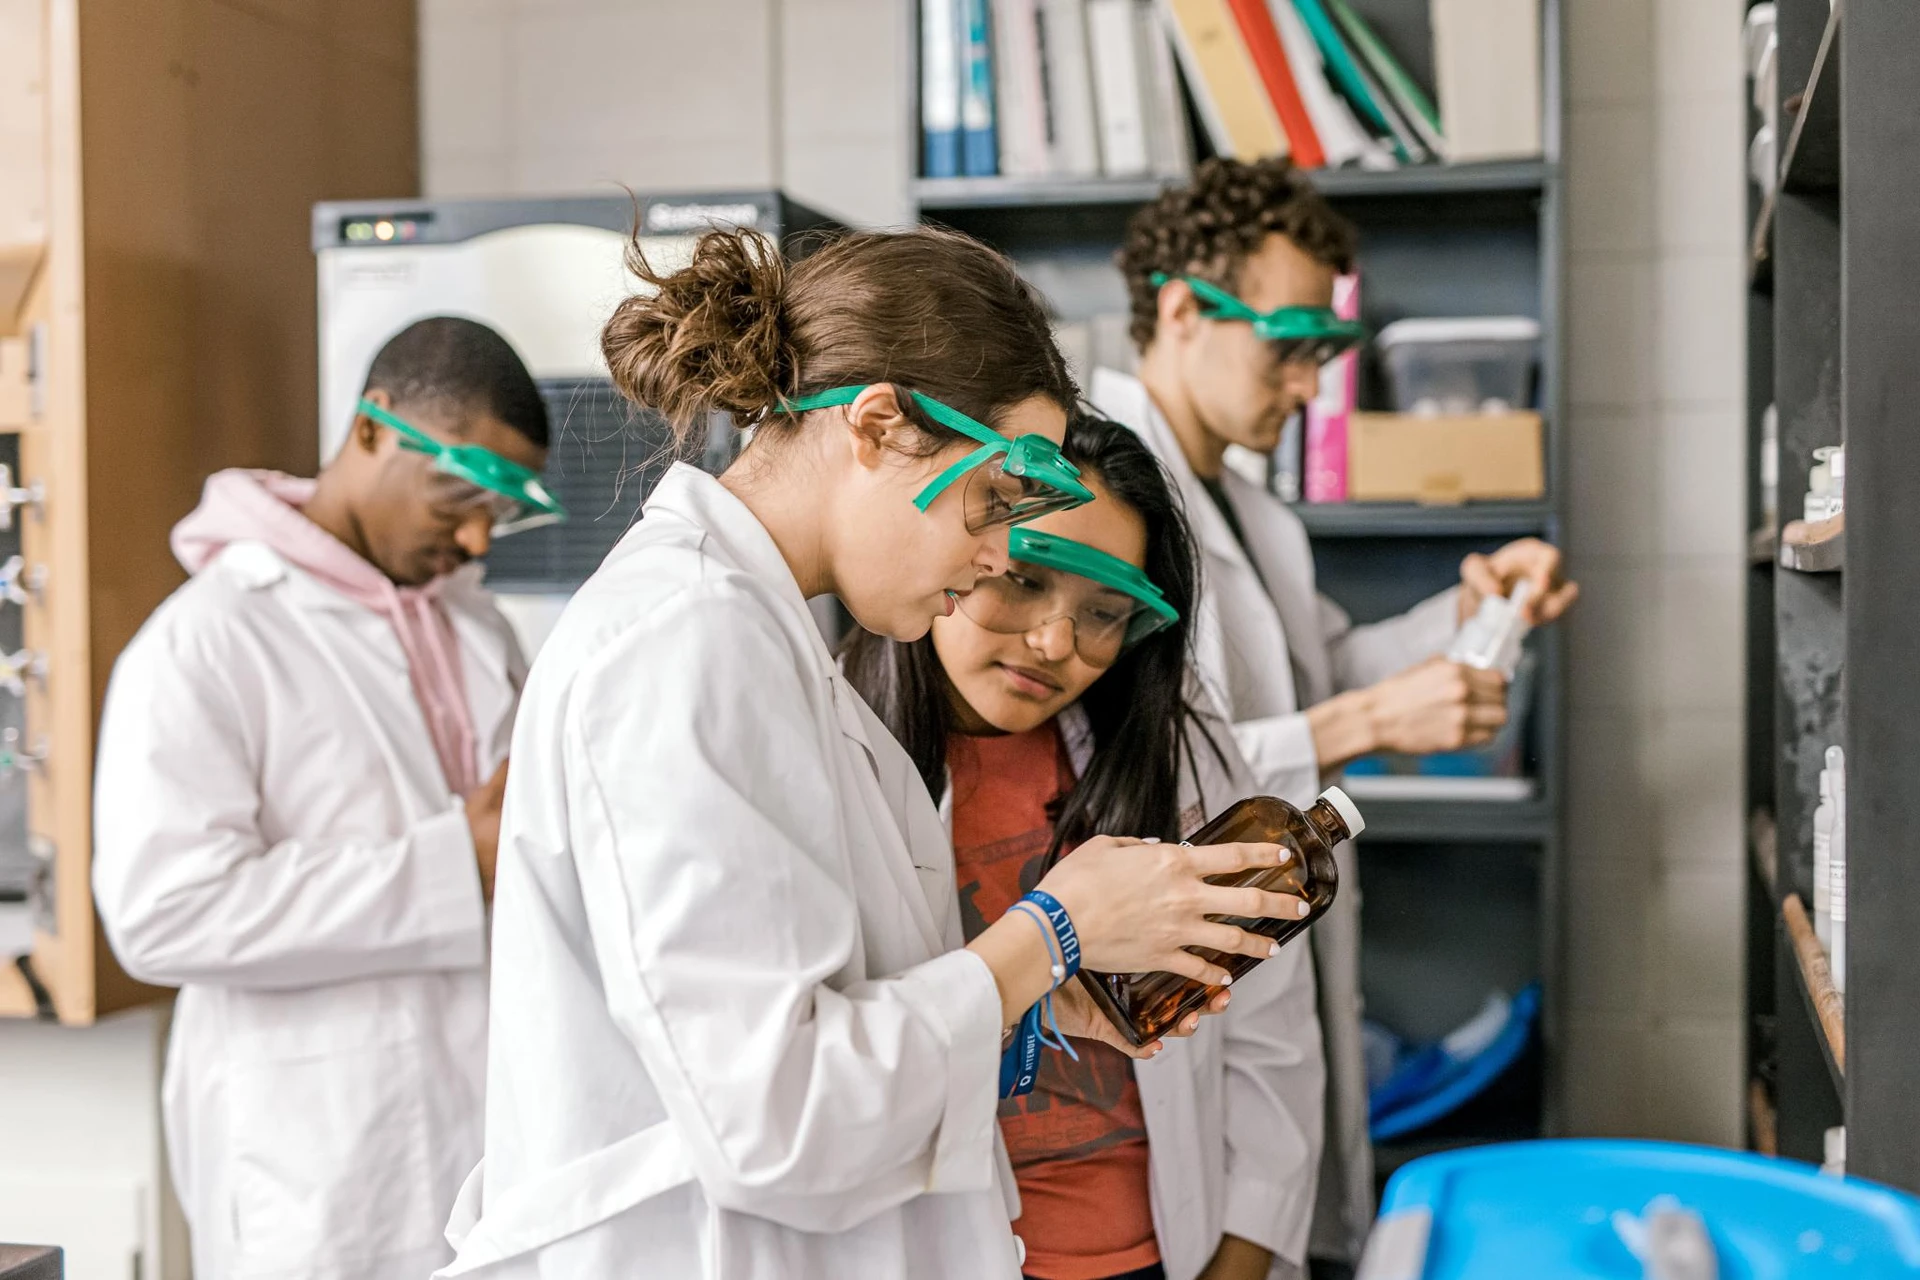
549	96
81	1158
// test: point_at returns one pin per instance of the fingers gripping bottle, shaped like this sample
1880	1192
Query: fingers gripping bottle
1146	1006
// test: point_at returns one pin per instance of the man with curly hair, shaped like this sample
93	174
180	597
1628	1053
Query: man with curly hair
1229	279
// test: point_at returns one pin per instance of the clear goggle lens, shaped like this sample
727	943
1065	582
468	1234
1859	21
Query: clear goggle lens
1314	351
1029	597
995	497
456	498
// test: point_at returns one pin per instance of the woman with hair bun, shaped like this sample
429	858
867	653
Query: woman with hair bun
736	1030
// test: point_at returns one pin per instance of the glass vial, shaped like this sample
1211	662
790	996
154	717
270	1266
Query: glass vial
1146	1006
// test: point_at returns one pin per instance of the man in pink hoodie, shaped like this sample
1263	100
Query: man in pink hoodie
301	763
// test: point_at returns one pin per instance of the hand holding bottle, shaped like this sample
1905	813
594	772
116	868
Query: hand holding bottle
1138	905
1437	706
1523	560
1076	1015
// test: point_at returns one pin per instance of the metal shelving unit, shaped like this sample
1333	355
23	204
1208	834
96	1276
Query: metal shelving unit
1832	625
1435	240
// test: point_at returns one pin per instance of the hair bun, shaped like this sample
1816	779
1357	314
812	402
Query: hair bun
712	335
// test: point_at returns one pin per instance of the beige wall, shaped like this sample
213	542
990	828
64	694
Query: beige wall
568	95
1656	316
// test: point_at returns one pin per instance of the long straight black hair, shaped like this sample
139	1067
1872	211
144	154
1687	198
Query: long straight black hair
1137	709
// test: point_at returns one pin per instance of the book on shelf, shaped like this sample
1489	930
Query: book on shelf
1341	137
1226	86
1119	87
940	72
1415	106
1260	33
1090	88
979	156
1074	130
1168	145
1019	89
1486	59
1323	466
1357	83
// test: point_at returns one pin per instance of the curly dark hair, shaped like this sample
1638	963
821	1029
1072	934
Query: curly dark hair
1213	224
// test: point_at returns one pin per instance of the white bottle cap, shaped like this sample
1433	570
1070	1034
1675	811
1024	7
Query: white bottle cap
1836	760
1344	806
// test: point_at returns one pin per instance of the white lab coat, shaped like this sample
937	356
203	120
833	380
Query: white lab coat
735	1036
273	834
1235	1112
1254	627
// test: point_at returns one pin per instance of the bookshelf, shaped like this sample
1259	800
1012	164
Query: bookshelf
1831	623
1436	240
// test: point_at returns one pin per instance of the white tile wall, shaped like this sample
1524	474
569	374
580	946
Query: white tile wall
566	95
548	96
1655	340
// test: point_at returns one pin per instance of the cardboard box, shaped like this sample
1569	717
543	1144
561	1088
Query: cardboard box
1396	457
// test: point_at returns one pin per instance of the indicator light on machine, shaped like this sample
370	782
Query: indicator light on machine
383	230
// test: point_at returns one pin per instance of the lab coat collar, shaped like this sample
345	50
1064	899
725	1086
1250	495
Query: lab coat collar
690	494
1126	400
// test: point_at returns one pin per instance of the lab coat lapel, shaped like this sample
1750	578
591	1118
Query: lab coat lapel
363	652
1284	555
490	672
1226	566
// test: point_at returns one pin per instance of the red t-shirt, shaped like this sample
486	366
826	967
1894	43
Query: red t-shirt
1079	1140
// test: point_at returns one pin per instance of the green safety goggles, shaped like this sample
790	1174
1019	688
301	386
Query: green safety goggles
1008	481
513	494
1050	578
1299	335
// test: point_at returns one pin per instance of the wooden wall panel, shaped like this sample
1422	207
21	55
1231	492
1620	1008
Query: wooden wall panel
23	151
189	140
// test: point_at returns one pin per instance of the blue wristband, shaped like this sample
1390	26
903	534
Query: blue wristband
1062	928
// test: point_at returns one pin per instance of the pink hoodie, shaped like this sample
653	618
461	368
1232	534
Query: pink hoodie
264	506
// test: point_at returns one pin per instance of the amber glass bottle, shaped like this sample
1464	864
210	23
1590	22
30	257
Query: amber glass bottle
1147	1005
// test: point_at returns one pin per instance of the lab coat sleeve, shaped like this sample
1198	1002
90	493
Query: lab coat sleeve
708	832
1275	1090
189	889
1280	752
1367	655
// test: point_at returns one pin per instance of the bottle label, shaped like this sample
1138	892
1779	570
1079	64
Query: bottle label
1837	890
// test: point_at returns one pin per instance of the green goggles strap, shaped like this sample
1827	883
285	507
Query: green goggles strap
1095	565
1282	324
1030	456
472	463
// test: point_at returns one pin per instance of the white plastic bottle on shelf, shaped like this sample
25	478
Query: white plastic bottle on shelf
1835	1146
1823	861
1837	480
1818	504
1837	872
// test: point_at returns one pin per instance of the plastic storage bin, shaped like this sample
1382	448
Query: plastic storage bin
1469	365
1593	1210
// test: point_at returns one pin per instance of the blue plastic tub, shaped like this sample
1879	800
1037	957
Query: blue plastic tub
1552	1211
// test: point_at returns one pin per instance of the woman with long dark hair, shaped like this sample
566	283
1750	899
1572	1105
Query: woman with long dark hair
1055	705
